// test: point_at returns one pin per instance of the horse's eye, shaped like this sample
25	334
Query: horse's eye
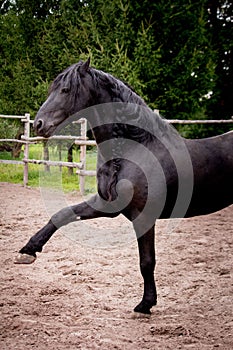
65	90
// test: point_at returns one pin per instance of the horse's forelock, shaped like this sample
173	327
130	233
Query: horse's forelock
68	78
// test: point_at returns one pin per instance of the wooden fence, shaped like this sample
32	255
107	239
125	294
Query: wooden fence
81	141
26	140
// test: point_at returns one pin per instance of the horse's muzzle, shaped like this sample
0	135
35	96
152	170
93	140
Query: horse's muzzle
42	128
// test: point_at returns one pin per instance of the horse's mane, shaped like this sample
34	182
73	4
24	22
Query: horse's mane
146	120
120	90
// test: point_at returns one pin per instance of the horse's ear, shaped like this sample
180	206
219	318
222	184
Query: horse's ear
85	66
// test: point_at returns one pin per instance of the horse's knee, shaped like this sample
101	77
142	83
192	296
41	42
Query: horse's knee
63	217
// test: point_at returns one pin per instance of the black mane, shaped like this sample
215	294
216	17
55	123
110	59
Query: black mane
120	90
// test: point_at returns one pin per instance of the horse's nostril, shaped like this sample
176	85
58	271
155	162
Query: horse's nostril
39	125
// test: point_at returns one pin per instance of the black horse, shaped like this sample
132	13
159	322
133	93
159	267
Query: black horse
145	171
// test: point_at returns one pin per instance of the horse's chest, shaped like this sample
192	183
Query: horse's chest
106	181
111	180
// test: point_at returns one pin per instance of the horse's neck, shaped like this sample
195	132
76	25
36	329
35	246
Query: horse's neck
118	103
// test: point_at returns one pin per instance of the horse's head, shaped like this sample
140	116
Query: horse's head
69	93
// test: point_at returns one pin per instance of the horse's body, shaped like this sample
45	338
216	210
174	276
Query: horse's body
154	174
212	160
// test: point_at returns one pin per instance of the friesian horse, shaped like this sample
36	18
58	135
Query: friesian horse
145	169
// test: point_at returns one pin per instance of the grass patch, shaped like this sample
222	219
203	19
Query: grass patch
37	176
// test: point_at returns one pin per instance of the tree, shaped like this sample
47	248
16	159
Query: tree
221	28
176	54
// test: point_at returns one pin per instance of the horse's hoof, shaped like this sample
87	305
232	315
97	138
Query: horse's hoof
139	315
144	307
24	259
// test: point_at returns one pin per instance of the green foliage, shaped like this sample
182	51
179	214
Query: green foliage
9	128
174	53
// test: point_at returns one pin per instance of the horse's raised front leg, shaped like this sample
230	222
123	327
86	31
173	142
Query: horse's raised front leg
91	209
146	245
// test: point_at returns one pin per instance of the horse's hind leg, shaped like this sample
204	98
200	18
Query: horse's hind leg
94	208
146	245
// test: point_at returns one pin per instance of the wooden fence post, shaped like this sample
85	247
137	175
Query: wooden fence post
83	149
46	155
70	158
26	121
59	154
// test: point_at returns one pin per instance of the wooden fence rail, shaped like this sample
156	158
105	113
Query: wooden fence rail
81	141
210	121
26	140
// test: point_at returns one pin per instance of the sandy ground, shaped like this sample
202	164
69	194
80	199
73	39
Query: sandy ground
80	296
